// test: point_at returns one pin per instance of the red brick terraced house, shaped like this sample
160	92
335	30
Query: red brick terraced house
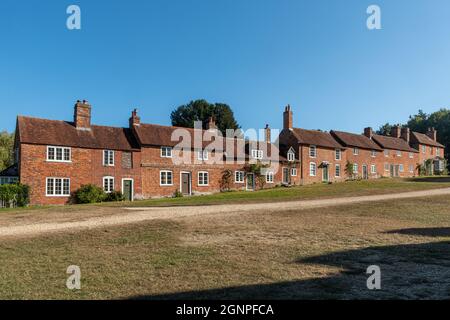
429	150
55	158
364	156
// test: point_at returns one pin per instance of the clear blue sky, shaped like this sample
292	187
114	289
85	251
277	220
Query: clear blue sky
255	55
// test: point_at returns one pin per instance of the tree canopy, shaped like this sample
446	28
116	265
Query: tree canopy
202	110
6	149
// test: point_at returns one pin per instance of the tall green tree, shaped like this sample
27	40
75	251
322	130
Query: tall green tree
202	110
385	129
6	149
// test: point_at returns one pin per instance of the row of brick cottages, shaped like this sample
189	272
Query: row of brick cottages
56	157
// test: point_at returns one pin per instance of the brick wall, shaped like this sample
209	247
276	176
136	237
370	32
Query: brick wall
86	167
407	159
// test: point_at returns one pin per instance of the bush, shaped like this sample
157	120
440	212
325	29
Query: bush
178	194
114	196
15	193
89	194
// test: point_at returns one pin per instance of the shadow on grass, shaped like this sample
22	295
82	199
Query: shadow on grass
442	179
414	271
425	232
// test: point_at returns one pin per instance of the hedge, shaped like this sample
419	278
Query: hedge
15	195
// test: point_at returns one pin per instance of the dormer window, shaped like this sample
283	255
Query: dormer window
291	155
58	154
202	155
257	154
108	158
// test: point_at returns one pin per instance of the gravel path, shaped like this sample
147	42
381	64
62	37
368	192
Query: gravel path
134	215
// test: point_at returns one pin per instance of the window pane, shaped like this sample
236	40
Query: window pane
51	154
66	154
66	187
50	186
58	187
59	154
169	177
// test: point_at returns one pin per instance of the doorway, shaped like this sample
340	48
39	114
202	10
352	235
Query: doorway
325	173
127	189
365	172
250	181
286	176
186	183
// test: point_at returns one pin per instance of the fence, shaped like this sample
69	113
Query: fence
8	204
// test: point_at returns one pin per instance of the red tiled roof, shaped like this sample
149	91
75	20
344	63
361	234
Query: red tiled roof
355	140
316	137
62	133
393	143
424	139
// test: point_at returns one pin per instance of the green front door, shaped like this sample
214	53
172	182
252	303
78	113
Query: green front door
128	189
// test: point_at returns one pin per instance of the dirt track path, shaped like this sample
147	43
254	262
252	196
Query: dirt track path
134	215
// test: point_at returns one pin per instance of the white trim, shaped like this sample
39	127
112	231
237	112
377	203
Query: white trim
198	179
373	169
355	151
113	183
315	169
62	154
181	181
257	154
335	170
336	153
165	185
243	176
113	158
54	187
373	153
132	187
292	172
270	173
315	151
166	148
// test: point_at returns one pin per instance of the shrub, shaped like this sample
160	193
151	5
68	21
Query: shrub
114	196
226	180
89	194
15	194
178	194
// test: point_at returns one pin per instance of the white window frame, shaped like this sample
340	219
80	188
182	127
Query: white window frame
161	178
311	173
387	167
110	187
202	155
411	155
291	156
424	149
293	172
373	169
355	151
63	149
386	153
201	181
313	151
401	168
107	158
399	153
337	171
241	175
54	194
355	168
269	177
257	154
166	152
373	153
336	153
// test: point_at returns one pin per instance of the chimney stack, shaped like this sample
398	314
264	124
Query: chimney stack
405	134
368	132
82	115
267	135
211	123
432	133
396	131
135	120
287	118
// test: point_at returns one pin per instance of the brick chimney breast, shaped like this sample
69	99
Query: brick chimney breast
82	115
432	133
396	131
211	123
288	118
405	134
368	132
267	134
135	120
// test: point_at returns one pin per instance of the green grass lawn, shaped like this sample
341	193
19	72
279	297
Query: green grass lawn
318	253
315	191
